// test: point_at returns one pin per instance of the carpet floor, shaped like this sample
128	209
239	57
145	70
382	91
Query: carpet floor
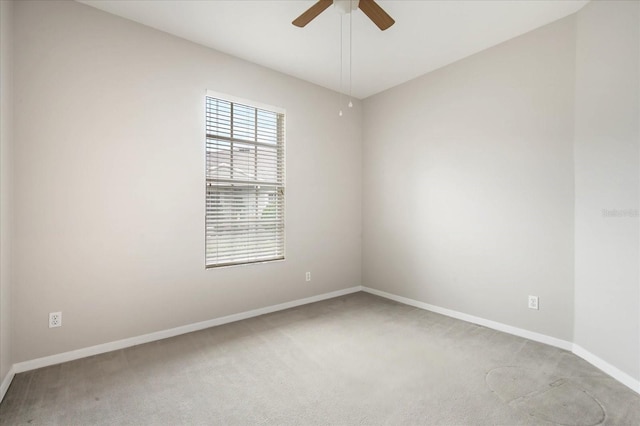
353	360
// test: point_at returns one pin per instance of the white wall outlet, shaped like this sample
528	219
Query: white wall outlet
307	276
55	319
533	302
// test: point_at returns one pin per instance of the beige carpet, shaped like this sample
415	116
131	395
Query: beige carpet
354	360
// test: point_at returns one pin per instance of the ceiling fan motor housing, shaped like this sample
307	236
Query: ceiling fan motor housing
345	6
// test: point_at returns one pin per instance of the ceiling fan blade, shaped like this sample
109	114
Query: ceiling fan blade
311	13
376	14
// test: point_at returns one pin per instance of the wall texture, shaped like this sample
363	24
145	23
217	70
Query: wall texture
607	142
6	188
109	182
468	184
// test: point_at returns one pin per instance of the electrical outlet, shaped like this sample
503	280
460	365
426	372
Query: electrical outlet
308	276
55	319
533	302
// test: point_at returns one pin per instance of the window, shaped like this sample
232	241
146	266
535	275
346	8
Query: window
244	182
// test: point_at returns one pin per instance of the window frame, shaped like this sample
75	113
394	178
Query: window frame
280	145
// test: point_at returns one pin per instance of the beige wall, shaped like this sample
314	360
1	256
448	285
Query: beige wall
607	134
468	184
6	114
109	182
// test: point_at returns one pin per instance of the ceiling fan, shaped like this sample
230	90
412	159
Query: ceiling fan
369	7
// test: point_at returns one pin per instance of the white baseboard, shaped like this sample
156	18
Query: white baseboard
4	386
531	335
603	365
146	338
159	335
597	362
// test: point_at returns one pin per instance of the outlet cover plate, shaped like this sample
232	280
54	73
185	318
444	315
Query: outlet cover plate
55	319
533	302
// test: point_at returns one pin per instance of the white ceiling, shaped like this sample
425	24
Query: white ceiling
428	34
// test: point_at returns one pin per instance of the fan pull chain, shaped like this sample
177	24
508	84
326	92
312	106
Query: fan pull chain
350	52
340	96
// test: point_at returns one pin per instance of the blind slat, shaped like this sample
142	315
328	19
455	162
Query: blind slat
247	261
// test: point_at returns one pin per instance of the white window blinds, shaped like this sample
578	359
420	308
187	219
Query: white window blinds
245	182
